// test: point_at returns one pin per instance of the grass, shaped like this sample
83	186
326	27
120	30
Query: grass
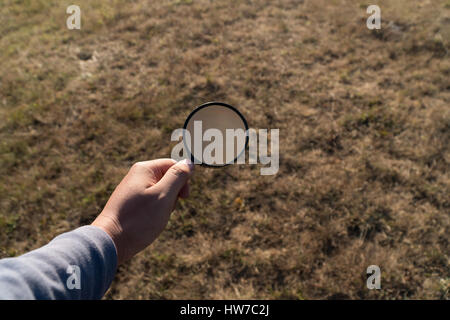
364	140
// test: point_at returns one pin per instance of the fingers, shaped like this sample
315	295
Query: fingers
154	168
184	193
174	180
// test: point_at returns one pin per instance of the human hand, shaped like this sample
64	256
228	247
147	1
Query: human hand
140	206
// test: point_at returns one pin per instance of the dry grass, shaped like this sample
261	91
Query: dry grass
364	123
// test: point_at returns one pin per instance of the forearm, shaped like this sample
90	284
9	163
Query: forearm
51	272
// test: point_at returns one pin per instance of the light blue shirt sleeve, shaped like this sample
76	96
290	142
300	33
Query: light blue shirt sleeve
79	264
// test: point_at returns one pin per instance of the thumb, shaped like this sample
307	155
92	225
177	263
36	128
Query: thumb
176	177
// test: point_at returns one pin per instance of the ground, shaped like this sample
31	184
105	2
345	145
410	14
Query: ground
364	123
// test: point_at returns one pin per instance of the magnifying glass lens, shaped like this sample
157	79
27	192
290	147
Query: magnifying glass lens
216	134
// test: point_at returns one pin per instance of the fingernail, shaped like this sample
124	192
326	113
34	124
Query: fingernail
189	163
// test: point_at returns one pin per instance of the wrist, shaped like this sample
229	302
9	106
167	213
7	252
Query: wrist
111	226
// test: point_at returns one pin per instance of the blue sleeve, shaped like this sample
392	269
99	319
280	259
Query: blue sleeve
80	264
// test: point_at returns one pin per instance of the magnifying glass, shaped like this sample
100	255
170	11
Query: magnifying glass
215	135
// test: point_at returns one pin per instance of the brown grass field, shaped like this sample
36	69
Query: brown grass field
364	119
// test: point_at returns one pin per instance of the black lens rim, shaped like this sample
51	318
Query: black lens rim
223	104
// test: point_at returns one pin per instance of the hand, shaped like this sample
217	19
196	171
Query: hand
140	207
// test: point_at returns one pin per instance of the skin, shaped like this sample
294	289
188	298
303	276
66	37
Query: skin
140	207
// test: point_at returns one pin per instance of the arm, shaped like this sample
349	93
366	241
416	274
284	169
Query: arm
81	264
75	265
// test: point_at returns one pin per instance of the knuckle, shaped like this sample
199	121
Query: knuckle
179	172
137	165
